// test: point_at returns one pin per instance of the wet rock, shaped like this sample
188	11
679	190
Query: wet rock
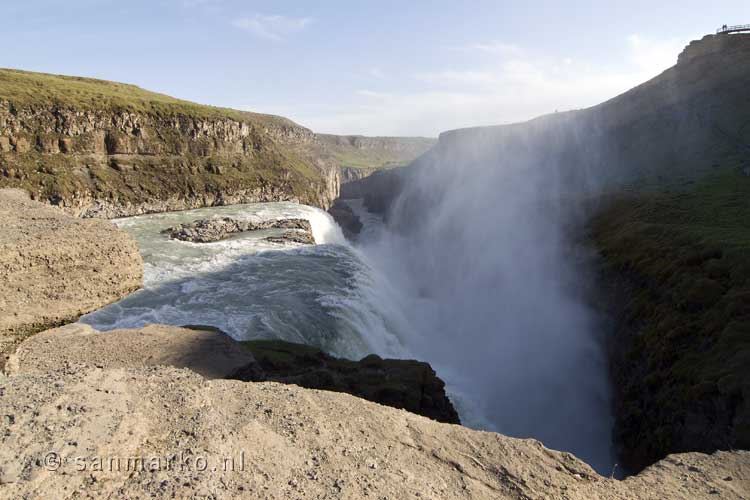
216	229
344	217
293	236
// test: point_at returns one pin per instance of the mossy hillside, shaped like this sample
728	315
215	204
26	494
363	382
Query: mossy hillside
30	89
682	372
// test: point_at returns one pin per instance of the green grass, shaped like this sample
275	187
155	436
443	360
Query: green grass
24	88
686	258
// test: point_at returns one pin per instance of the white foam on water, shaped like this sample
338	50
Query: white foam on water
323	295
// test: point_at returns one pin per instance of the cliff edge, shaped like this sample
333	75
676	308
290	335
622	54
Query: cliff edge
54	267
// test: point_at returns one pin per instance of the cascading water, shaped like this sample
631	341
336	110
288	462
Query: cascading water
472	274
324	295
479	244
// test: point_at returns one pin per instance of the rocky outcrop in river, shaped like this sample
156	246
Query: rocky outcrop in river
346	219
209	230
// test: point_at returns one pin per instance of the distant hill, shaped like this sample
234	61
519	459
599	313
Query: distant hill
356	151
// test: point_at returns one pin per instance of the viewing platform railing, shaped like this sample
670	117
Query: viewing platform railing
733	29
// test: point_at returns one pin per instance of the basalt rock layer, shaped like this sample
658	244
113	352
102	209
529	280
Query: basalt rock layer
405	384
106	149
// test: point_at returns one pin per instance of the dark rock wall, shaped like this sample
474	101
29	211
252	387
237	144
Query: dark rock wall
405	384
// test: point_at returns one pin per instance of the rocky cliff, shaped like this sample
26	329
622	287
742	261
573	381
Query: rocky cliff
674	128
406	384
105	149
100	148
678	272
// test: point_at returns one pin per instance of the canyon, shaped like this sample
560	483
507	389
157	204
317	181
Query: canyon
654	180
581	261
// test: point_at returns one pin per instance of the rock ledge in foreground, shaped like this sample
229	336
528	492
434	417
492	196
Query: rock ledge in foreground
54	267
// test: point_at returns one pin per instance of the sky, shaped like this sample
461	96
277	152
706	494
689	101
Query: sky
365	67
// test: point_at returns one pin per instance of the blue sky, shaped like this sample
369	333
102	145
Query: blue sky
375	68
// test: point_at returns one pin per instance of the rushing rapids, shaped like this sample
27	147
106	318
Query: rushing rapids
324	295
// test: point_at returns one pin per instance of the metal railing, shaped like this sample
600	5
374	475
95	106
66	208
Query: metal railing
733	29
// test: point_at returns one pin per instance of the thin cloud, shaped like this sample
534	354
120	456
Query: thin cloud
275	27
373	94
377	73
495	47
509	89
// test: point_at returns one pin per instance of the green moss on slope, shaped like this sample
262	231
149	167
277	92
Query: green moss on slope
682	360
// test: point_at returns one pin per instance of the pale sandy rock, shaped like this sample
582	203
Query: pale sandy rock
210	353
271	441
54	268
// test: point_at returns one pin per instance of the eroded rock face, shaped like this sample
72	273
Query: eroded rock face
216	229
106	163
406	384
54	268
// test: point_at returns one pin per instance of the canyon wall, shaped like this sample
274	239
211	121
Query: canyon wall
672	129
372	153
99	148
105	149
687	123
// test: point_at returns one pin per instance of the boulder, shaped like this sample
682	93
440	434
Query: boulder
344	217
